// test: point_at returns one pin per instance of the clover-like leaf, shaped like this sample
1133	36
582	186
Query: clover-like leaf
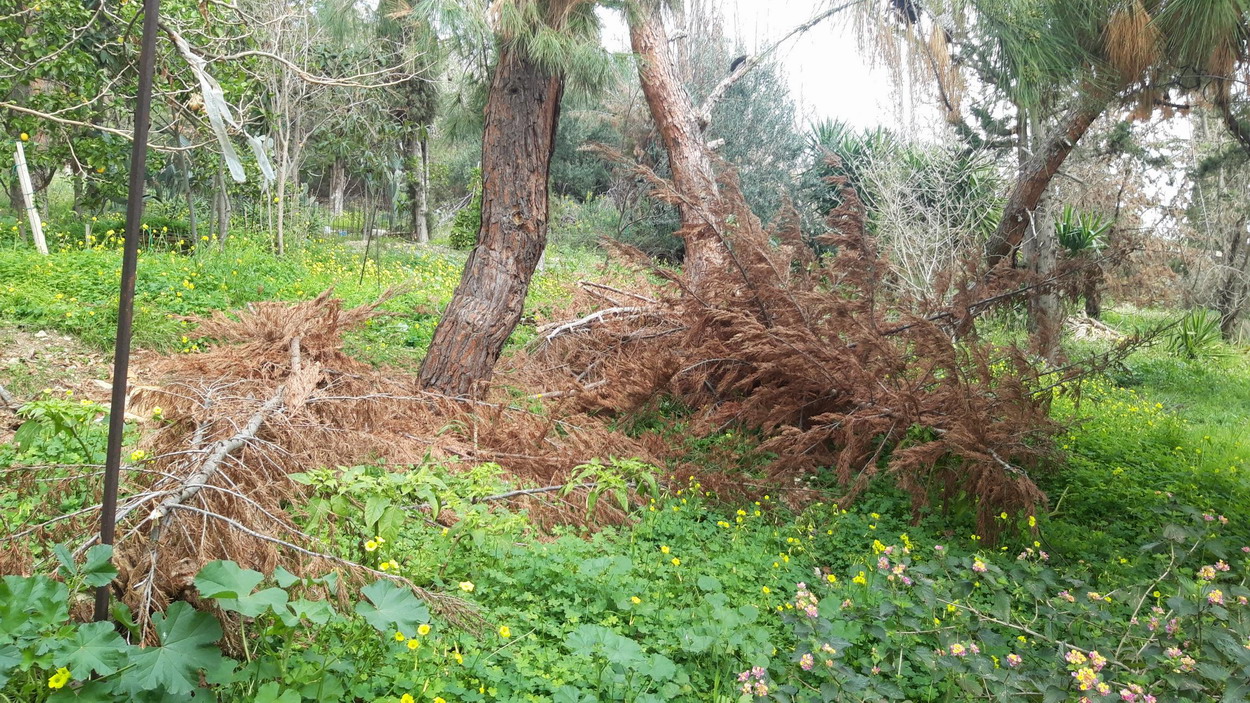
392	608
98	569
226	579
94	647
187	642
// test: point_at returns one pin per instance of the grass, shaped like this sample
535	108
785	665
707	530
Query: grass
74	289
701	589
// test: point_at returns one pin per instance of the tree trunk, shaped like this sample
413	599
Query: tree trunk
1045	311
1228	300
1035	176
223	207
414	171
1093	291
338	186
522	113
688	156
186	187
423	205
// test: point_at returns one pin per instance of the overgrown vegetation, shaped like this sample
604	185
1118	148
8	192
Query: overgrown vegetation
504	368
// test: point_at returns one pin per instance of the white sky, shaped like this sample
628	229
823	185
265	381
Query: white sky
828	76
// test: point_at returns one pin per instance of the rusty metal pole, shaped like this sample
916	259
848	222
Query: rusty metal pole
126	303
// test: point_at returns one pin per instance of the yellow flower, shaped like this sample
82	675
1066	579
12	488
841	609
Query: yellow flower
61	677
676	561
439	699
399	637
407	698
423	630
766	590
458	657
664	549
371	545
505	631
861	579
156	412
831	578
137	455
467	586
414	644
635	600
26	137
387	565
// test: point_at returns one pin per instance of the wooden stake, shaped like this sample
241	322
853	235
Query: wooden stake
28	195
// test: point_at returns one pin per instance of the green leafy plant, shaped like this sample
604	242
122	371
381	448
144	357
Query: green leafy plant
468	220
616	479
1081	232
1197	336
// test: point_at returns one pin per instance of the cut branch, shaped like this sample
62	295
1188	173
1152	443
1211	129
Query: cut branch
718	93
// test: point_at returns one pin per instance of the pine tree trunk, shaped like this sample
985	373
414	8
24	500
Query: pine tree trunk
522	113
688	157
1035	176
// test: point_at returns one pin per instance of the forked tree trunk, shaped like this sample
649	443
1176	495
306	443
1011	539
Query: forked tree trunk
1035	176
522	112
688	156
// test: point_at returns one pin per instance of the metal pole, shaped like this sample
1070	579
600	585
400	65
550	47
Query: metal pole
126	304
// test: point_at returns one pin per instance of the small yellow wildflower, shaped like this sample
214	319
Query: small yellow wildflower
467	586
505	631
439	699
407	698
61	677
664	549
635	600
423	630
766	590
137	455
676	561
831	578
414	644
371	546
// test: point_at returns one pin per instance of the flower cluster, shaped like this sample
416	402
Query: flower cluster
753	682
1085	669
805	602
1134	693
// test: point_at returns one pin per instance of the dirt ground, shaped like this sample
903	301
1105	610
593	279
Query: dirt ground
32	360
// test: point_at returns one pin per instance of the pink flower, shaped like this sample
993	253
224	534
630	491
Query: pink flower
1216	597
883	564
1221	565
807	661
1014	660
761	688
978	566
1067	596
1172	652
1208	518
938	548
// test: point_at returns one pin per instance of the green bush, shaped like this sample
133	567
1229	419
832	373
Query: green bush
468	220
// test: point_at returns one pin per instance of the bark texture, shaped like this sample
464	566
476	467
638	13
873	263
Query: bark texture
1035	176
522	112
677	121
